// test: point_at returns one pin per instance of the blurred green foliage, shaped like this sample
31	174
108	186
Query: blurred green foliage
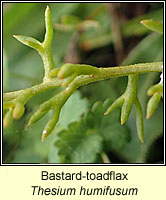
89	132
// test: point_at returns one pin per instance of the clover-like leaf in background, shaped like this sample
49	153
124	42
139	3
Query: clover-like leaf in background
85	140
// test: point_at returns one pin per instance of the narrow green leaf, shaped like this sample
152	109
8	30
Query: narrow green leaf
45	106
115	104
153	104
36	117
153	25
29	41
129	95
126	109
135	151
133	26
139	120
49	28
51	123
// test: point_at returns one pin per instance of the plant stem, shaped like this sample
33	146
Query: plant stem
105	157
101	74
130	69
34	90
48	63
113	72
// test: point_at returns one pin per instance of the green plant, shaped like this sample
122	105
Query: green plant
70	77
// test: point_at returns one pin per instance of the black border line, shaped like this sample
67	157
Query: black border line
75	164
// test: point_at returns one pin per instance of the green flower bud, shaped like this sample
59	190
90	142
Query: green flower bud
153	104
66	70
18	110
155	88
78	69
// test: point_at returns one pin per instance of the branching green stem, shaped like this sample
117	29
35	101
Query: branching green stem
72	76
48	63
37	89
100	74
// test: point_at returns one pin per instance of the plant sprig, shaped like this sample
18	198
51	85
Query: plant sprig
69	77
